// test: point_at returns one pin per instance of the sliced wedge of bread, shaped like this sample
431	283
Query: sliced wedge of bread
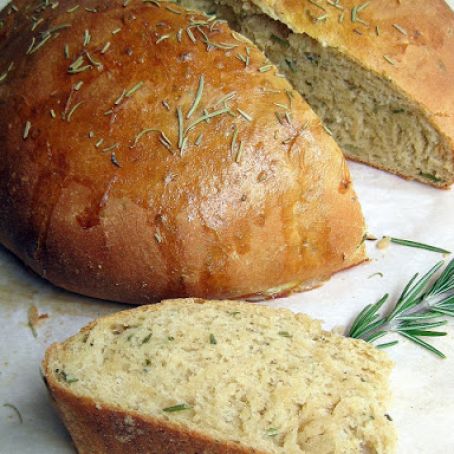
379	73
193	376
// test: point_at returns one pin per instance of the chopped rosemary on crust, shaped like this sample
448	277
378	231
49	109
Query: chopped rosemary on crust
87	38
92	60
205	117
180	127
105	47
73	109
27	128
141	134
400	29
315	3
198	141
239	153
114	160
74	8
356	10
132	90
45	36
111	148
245	115
78	66
389	59
234	139
162	38
265	68
197	98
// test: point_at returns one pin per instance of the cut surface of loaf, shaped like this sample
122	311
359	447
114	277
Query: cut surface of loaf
378	73
193	376
141	159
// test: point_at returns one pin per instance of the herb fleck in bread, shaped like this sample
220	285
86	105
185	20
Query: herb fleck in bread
140	159
193	376
378	73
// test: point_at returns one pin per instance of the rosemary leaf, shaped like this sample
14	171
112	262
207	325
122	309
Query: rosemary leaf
106	47
87	38
181	133
198	141
146	339
131	91
431	177
27	128
175	408
15	409
423	344
71	112
417	245
387	344
205	117
245	115
141	134
198	97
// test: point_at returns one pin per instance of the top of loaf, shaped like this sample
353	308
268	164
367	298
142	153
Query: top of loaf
149	152
408	42
263	378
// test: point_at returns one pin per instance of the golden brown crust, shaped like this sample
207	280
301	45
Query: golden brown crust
408	42
137	222
106	430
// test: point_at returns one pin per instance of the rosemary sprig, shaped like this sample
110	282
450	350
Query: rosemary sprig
419	309
418	245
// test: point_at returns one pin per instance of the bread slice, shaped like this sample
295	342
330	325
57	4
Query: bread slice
193	376
378	73
154	164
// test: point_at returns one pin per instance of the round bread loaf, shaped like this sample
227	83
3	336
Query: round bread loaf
149	152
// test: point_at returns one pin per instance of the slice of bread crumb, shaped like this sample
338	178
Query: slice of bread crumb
193	376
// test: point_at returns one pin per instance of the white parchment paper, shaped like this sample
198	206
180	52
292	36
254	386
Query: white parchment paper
422	385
